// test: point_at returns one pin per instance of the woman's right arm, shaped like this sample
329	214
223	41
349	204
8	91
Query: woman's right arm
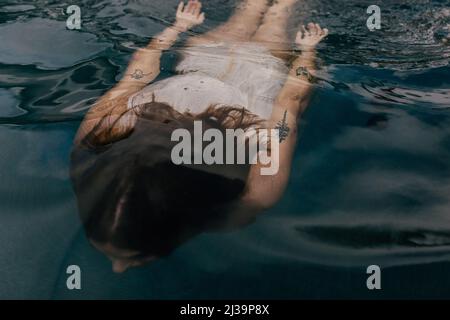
263	191
143	69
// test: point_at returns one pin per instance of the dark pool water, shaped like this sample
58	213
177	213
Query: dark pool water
370	183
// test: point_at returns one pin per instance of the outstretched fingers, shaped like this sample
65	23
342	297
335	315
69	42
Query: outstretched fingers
202	17
299	36
310	36
193	7
197	9
189	15
321	32
190	7
312	29
180	7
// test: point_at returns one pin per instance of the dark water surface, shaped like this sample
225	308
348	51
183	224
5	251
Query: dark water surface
370	182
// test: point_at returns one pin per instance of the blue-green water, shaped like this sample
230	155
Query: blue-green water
370	183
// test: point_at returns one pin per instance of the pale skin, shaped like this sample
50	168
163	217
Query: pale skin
253	21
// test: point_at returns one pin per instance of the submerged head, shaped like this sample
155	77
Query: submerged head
135	204
122	259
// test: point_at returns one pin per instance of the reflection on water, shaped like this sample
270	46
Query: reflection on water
371	175
374	237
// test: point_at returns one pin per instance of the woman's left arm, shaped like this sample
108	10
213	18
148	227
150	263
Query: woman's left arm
143	68
145	65
264	191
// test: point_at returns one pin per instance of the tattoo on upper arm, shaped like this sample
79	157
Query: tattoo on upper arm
139	74
283	128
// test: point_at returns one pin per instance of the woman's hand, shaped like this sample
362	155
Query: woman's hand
308	39
190	15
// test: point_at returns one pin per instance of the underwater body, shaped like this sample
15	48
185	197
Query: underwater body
370	183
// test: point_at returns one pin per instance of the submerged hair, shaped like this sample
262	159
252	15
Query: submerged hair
132	196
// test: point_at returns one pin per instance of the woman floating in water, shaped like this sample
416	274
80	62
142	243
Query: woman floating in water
137	205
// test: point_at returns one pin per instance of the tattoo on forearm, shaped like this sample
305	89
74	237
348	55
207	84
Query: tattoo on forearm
139	74
303	71
283	128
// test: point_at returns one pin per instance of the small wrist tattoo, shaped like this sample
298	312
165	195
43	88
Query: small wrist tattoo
139	74
283	128
303	71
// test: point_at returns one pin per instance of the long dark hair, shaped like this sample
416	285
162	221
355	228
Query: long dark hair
132	196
